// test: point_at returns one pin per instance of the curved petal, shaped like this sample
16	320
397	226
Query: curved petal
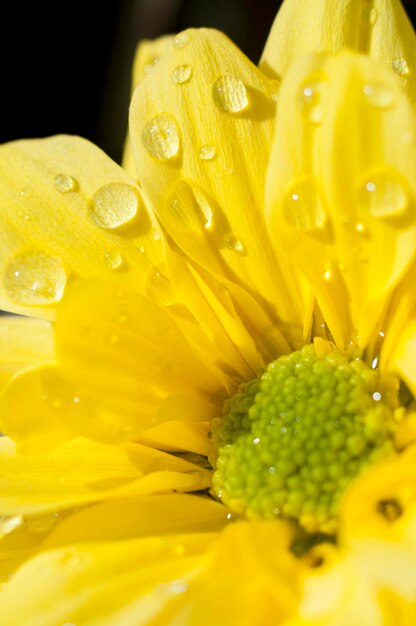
124	366
201	126
146	57
23	342
123	582
129	518
81	471
341	186
379	28
68	210
163	580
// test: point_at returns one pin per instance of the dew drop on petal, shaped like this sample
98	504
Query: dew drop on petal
34	278
188	208
302	206
311	100
155	235
158	287
360	228
379	95
383	195
207	152
114	205
181	74
400	66
65	183
149	67
181	40
235	244
113	259
229	94
160	137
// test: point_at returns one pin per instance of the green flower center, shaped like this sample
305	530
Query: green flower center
290	442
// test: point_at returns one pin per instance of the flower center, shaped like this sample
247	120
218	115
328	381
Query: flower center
290	441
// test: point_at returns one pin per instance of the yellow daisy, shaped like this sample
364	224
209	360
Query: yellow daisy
232	313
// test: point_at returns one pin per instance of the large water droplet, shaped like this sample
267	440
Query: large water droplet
114	205
34	278
302	206
207	152
113	259
158	287
311	100
160	137
65	183
379	95
383	194
188	209
235	244
181	74
230	94
399	65
181	40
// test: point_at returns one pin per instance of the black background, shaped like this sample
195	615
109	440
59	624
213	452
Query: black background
65	67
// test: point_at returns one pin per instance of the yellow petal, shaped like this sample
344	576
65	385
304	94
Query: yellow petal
123	582
124	366
82	471
201	126
23	342
130	518
341	186
183	436
379	28
146	57
68	210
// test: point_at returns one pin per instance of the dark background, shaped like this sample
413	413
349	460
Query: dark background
65	66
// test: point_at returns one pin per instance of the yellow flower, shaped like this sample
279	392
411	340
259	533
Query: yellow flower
243	297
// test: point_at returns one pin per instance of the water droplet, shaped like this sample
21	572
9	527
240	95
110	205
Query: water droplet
114	205
379	95
155	235
311	97
181	74
149	67
113	259
384	194
230	94
377	396
26	192
187	208
399	65
207	152
9	523
235	244
373	16
141	249
181	40
327	275
65	183
34	278
360	228
158	287
374	363
160	137
178	586
302	206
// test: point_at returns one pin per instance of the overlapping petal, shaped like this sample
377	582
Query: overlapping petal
81	472
207	187
341	186
69	211
378	28
24	342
